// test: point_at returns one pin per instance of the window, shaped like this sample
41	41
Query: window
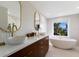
61	28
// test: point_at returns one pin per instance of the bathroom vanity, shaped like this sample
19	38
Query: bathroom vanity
32	47
36	49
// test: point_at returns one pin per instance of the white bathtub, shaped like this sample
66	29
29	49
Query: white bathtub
64	43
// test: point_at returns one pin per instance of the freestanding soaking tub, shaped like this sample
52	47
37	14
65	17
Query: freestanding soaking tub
64	43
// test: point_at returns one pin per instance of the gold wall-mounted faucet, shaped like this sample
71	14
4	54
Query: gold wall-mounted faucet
12	28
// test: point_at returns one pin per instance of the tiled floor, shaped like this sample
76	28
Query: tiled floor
56	52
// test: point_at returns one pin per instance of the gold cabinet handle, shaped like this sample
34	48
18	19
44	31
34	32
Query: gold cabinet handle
42	47
41	42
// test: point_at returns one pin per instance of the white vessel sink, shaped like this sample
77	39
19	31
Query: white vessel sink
15	40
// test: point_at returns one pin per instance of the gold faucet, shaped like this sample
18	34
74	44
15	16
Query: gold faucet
12	28
9	27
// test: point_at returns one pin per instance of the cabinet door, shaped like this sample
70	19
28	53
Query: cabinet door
34	52
39	48
43	46
46	43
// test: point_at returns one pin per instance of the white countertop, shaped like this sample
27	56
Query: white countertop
10	49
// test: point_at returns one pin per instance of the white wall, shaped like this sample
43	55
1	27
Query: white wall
49	26
28	19
73	25
43	24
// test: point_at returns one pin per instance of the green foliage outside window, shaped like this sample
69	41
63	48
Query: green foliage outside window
60	29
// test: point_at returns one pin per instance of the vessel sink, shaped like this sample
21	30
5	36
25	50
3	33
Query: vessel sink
16	40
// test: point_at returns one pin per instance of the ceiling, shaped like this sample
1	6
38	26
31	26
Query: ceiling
52	9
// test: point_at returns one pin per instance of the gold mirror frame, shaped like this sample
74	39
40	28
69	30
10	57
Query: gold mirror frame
4	30
35	18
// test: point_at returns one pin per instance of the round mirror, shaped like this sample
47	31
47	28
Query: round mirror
10	15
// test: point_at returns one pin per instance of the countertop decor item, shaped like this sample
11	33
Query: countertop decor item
32	34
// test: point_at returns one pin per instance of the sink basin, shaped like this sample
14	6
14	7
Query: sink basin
16	40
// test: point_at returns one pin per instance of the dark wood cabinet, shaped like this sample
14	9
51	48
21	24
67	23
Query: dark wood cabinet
37	49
